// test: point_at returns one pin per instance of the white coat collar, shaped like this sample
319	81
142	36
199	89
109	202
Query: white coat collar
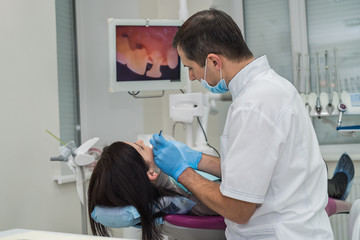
247	74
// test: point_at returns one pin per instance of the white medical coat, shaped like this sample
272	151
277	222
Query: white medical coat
270	156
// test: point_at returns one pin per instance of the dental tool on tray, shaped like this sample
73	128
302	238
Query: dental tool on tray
297	82
318	107
336	76
330	108
307	82
339	102
341	106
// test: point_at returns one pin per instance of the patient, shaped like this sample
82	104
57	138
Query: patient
127	175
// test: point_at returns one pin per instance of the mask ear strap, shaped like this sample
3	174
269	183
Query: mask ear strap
220	74
205	69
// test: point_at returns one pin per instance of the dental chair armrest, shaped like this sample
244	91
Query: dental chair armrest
199	222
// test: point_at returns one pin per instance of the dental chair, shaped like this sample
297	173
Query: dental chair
178	227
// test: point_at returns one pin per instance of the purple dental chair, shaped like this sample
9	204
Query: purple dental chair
194	227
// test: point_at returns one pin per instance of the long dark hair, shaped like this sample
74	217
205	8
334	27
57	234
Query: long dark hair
120	179
211	31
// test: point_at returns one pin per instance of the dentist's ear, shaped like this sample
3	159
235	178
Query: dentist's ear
215	60
152	175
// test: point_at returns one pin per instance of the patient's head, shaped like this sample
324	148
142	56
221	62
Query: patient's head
148	156
122	177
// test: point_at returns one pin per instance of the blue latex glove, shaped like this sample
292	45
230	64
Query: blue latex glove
168	157
191	156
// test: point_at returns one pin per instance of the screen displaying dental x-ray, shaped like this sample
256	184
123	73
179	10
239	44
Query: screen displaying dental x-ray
146	53
142	57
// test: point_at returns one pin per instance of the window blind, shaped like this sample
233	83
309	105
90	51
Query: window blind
267	31
67	70
335	24
67	74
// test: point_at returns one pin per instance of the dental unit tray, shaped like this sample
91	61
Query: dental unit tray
349	128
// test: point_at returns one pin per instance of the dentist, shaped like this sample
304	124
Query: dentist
273	178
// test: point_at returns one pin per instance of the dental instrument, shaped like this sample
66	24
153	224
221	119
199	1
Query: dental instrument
330	108
297	82
307	82
341	106
337	77
160	132
53	135
342	109
318	104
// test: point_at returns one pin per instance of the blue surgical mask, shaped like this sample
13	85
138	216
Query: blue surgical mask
219	88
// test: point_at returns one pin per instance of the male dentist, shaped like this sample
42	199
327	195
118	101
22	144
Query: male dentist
273	178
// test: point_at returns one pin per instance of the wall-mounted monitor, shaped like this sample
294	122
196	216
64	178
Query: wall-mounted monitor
142	57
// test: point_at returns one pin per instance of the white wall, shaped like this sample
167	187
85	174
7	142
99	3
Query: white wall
29	198
118	116
108	116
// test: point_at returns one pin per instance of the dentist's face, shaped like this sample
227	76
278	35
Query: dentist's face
196	72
